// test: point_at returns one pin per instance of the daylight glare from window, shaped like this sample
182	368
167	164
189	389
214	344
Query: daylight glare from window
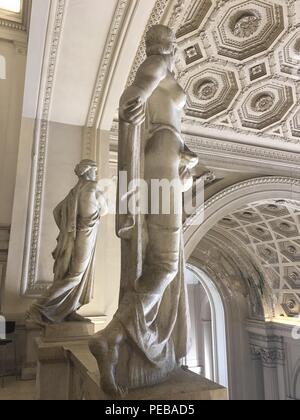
11	5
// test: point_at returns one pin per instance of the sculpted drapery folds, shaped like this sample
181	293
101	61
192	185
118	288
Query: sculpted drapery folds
77	218
149	333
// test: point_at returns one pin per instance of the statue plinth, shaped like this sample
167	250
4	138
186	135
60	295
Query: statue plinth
54	333
68	331
80	379
182	385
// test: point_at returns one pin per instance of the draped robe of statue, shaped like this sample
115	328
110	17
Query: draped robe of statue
74	255
153	307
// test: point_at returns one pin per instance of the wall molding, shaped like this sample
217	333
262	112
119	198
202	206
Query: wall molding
30	285
124	11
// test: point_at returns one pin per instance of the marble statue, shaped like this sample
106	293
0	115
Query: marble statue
77	218
148	335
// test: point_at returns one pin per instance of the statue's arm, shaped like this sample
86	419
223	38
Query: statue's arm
57	214
102	203
148	77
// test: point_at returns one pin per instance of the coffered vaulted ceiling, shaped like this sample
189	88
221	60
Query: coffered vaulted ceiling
239	62
270	231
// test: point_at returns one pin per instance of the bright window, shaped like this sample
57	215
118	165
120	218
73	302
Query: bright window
2	76
11	5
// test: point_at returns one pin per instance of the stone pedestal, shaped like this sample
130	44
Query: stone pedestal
33	333
64	332
68	371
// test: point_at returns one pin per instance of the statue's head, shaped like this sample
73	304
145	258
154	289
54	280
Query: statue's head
87	169
161	40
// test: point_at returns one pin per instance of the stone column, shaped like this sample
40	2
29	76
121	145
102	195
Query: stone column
269	350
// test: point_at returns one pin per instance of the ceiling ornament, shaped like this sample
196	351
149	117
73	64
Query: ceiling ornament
291	306
210	92
248	28
258	42
289	56
271	232
195	17
258	71
246	25
266	105
263	102
295	125
206	89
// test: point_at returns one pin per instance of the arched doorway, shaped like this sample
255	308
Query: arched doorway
209	346
248	246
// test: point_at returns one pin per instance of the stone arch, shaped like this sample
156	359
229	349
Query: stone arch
234	197
219	324
234	296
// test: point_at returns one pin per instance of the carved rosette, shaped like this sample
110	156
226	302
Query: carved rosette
246	25
266	105
210	92
248	28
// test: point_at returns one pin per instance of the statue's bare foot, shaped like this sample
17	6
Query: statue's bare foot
107	357
74	317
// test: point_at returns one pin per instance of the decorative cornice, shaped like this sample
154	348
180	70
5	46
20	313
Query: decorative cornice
217	147
30	285
257	154
228	129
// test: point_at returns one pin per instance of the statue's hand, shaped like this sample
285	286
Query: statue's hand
126	230
132	111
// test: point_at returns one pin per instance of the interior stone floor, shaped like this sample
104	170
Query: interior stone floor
17	390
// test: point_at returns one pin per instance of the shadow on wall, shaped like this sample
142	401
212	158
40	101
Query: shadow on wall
2	68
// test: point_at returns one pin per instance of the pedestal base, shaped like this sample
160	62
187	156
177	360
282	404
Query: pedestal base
69	372
182	385
53	333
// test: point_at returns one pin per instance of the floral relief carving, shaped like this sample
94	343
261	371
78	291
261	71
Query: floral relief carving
246	25
263	102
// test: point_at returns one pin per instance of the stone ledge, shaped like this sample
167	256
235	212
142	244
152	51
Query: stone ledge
84	379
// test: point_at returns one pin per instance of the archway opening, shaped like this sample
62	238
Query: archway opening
208	353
